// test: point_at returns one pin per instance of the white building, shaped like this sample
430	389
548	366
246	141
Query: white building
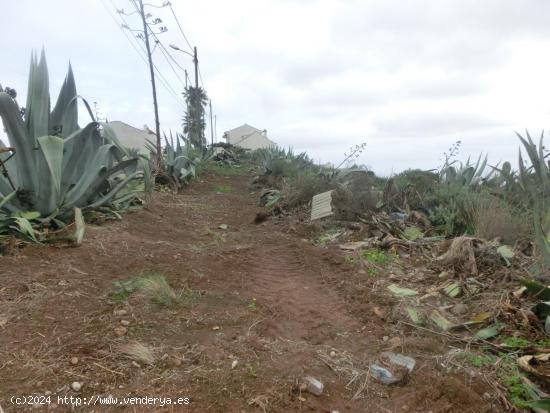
248	137
132	137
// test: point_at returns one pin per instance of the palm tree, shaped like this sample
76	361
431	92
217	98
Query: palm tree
194	122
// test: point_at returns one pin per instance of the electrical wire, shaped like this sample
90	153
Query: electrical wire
143	55
179	26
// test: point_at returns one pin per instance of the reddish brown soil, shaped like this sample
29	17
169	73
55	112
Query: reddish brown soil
258	294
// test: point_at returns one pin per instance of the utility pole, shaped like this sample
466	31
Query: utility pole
152	72
196	62
186	77
216	126
211	125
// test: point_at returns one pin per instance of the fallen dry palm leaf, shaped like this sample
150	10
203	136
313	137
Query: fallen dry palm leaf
138	352
538	365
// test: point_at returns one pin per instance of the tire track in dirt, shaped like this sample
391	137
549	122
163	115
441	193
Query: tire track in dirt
285	276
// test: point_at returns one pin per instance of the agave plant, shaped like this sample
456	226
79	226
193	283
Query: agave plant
54	164
534	180
180	158
465	174
278	161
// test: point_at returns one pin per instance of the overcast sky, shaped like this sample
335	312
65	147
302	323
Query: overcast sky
407	77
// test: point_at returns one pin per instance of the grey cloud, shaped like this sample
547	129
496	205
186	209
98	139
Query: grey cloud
431	124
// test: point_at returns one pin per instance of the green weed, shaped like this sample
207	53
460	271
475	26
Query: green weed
516	342
326	238
252	305
225	170
352	260
480	360
518	392
250	370
377	257
223	189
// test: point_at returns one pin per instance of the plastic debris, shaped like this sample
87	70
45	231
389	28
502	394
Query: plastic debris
313	385
506	253
398	368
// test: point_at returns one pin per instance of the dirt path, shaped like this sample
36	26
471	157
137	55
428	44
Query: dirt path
260	308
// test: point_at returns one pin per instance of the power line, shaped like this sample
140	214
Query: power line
163	80
200	77
171	66
179	26
140	52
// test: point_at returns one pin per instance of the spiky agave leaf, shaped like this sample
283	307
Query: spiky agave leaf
56	165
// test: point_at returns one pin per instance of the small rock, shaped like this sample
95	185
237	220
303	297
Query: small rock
177	362
234	364
385	338
333	354
76	386
136	364
120	331
47	393
313	386
355	226
459	309
74	361
125	322
120	312
215	328
395	341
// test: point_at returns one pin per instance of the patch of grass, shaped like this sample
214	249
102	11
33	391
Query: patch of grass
372	272
351	259
223	189
250	370
152	286
326	237
225	170
518	392
480	360
516	342
377	257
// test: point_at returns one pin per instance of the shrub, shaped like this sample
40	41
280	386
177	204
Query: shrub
305	185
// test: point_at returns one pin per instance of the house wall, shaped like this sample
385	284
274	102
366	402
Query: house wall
248	137
235	135
255	141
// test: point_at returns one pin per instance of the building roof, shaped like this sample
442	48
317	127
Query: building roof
244	125
130	136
